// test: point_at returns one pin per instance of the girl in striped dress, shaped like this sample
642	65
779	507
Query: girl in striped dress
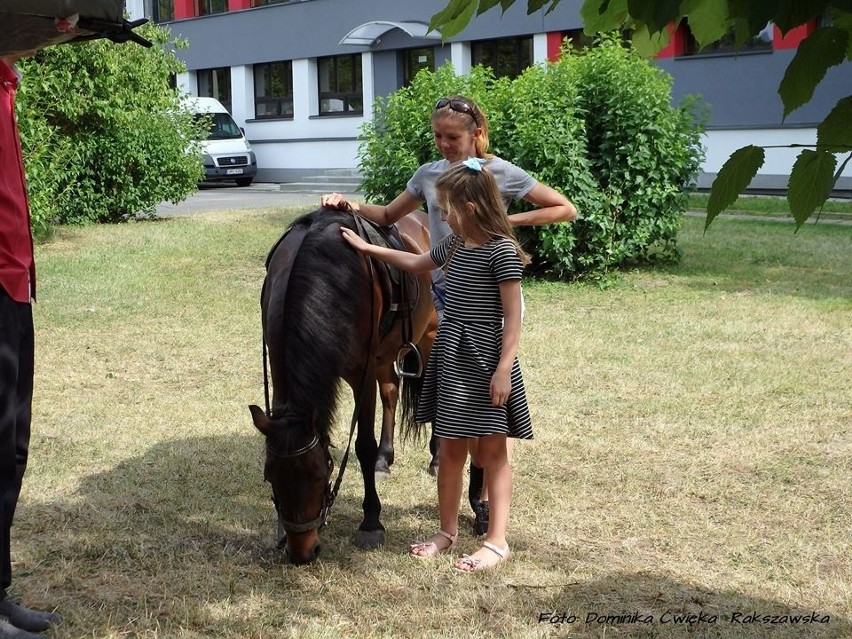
473	386
460	129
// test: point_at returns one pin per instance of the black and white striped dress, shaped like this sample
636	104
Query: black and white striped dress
456	389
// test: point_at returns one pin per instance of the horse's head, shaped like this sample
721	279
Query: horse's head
298	466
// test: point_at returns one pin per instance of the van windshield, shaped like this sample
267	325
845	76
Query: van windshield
222	126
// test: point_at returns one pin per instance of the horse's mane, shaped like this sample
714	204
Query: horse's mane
326	302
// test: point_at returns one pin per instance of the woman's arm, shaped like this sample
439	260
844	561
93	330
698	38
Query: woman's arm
411	262
501	381
402	205
552	207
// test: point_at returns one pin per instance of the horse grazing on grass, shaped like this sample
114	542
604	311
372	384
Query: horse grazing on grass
331	314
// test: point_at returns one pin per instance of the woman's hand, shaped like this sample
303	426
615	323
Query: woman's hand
336	201
501	386
355	240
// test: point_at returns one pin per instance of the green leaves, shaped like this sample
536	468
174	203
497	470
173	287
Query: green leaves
708	19
732	179
810	183
824	48
453	18
835	132
613	144
654	14
104	134
603	15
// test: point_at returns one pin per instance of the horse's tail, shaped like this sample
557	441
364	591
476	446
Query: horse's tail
410	390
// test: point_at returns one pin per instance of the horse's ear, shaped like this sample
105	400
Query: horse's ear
261	421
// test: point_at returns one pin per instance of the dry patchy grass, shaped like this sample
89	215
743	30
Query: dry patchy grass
692	451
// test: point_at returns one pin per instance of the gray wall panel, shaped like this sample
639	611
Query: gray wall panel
742	91
313	28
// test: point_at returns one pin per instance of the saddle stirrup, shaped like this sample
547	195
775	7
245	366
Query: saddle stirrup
399	364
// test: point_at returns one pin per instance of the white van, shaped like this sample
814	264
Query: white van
227	154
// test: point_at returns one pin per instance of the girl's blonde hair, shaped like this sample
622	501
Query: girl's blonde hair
471	119
469	181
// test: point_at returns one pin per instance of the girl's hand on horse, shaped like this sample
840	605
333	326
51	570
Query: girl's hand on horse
501	385
336	201
353	238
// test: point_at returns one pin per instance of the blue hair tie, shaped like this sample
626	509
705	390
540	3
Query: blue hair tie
475	164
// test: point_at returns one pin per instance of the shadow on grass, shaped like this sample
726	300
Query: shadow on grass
179	542
171	539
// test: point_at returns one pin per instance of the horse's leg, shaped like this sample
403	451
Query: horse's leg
371	533
389	392
434	445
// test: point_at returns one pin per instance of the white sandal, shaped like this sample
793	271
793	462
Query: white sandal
467	563
430	548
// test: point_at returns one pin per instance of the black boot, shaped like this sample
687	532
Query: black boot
26	619
8	631
474	495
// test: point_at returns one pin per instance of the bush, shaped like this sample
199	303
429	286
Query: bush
103	136
399	139
597	125
643	153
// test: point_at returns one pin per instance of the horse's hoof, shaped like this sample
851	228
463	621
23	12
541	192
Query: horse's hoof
382	469
369	539
433	468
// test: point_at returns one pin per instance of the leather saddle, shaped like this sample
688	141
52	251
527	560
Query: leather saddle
400	289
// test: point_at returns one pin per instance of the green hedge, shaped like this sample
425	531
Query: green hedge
102	133
597	125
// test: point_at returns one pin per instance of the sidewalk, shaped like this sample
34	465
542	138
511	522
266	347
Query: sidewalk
221	197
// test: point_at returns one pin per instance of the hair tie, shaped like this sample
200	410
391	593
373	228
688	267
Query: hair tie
475	164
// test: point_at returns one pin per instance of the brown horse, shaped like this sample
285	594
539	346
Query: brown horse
325	314
414	227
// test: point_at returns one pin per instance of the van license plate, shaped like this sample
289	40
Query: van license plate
234	172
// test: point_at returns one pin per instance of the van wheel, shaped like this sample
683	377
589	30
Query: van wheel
243	181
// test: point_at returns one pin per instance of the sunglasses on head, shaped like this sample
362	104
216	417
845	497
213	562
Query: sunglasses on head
459	106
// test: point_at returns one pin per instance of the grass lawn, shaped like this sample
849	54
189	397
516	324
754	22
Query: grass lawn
772	206
692	452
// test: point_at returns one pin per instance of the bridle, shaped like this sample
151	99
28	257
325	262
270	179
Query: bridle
328	499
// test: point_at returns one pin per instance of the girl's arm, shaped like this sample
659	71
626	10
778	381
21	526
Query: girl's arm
501	381
552	207
411	262
402	205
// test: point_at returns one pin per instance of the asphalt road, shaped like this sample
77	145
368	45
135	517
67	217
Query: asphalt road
222	197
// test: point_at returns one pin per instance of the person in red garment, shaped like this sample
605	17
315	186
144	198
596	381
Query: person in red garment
17	292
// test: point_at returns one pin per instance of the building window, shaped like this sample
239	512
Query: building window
340	89
415	59
578	39
215	83
263	3
160	10
206	7
273	90
726	45
506	57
